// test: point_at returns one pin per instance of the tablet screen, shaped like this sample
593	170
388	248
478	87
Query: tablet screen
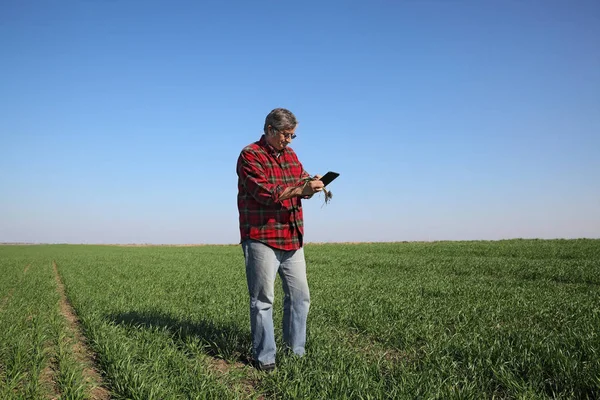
329	177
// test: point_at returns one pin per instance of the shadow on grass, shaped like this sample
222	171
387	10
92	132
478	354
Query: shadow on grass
224	341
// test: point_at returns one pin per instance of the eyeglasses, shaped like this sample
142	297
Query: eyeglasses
289	135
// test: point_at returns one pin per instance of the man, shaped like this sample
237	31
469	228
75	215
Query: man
271	183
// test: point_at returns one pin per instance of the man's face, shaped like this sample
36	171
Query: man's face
280	139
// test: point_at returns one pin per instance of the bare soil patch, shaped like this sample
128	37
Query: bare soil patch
224	368
47	377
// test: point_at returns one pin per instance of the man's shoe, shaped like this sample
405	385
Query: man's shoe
266	367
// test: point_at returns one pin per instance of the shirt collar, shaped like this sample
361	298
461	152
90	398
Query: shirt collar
270	149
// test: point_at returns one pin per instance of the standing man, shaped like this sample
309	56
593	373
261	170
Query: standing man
271	183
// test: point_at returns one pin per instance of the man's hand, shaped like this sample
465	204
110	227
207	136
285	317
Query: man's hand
316	177
312	187
306	191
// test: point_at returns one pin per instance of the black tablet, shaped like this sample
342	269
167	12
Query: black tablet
329	177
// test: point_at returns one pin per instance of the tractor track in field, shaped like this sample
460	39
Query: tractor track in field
82	353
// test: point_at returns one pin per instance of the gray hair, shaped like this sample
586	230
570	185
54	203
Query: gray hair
280	119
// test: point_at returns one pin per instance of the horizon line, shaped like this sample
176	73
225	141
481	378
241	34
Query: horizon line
307	243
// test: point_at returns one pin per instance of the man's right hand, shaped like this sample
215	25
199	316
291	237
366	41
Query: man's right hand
306	191
312	187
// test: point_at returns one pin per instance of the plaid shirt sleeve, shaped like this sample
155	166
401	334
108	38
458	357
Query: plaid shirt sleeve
255	179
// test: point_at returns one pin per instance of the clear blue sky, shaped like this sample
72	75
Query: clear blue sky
121	121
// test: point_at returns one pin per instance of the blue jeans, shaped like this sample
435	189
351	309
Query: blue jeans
262	265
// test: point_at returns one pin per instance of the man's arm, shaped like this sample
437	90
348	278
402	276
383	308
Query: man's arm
307	190
253	177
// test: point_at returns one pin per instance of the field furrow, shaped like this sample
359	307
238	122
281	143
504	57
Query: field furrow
508	319
90	383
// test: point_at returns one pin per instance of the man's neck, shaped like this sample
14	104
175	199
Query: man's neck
272	148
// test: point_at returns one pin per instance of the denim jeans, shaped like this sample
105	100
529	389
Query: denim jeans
262	265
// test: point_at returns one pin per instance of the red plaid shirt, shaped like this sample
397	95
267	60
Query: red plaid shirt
263	175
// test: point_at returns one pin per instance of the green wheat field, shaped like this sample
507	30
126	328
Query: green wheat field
514	319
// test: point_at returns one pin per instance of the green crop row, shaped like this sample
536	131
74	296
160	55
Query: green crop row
36	354
507	319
